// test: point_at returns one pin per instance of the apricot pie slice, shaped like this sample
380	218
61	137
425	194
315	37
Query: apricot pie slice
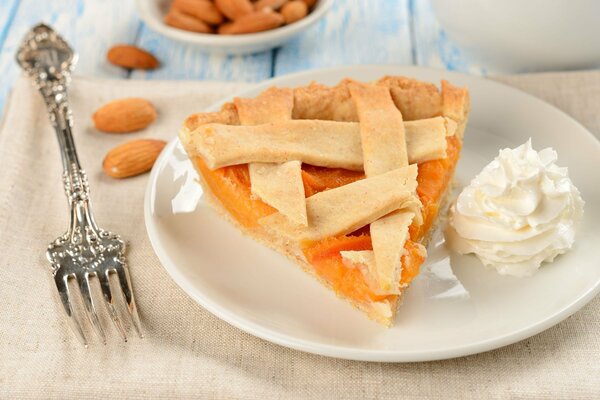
346	180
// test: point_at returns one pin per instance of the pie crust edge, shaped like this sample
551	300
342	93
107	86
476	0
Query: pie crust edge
454	103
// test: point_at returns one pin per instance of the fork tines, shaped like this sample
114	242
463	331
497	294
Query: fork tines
84	282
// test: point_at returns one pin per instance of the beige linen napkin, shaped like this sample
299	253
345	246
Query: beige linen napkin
188	352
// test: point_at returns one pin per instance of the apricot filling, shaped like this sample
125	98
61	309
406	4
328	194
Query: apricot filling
231	185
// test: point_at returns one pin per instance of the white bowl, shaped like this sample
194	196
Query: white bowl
152	13
524	35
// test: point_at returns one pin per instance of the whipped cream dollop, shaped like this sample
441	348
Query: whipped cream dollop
521	210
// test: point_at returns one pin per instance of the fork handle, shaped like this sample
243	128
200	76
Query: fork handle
60	116
75	181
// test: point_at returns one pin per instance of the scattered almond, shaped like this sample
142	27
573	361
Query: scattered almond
132	158
124	115
294	10
272	4
256	21
234	9
127	56
177	19
204	10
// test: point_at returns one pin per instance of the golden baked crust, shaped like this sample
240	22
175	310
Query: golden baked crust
276	184
330	144
337	212
415	100
384	147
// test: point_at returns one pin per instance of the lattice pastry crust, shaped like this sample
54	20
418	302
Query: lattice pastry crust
384	128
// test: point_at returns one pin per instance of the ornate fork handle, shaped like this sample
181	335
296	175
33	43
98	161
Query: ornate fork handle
83	233
85	250
82	236
75	182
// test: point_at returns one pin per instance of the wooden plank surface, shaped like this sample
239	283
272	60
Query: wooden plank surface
432	47
183	61
91	28
352	32
8	9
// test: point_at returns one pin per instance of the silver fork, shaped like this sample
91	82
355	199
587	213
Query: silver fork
85	250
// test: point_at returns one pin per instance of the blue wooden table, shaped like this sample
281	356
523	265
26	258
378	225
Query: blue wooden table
353	32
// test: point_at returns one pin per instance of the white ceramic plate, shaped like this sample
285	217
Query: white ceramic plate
454	308
153	12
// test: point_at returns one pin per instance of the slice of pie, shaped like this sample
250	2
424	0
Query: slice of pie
346	180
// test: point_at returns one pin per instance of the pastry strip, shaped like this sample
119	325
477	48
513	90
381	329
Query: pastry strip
272	105
384	149
228	116
278	185
381	129
281	187
321	143
415	100
347	208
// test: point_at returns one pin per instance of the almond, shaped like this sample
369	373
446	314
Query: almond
294	10
204	10
179	20
132	158
256	21
310	3
234	9
272	4
124	115
127	56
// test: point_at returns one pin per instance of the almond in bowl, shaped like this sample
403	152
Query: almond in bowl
232	26
235	17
